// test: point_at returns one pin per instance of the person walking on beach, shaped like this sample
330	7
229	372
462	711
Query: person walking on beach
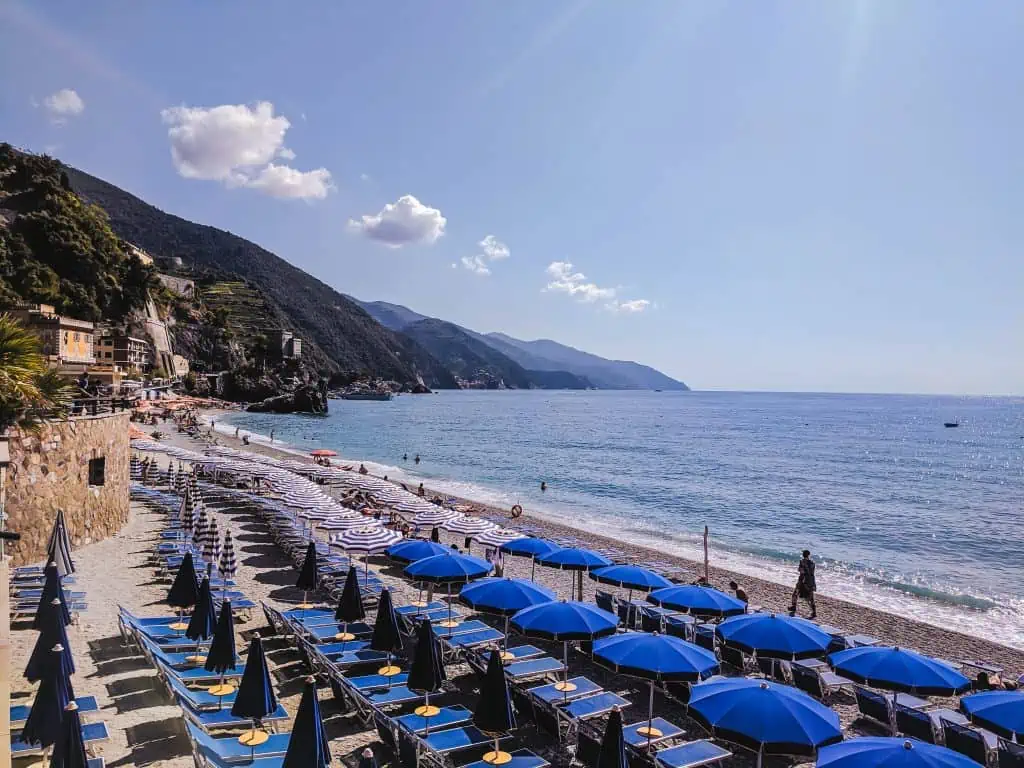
741	594
271	437
806	585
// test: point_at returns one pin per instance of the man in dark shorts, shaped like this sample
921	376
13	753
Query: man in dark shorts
806	586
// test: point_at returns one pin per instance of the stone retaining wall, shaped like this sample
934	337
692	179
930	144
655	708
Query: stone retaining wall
50	470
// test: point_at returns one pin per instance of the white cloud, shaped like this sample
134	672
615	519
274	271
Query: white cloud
63	104
565	280
236	145
476	264
403	222
492	249
364	177
282	181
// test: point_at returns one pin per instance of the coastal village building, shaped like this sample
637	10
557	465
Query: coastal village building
67	342
284	345
124	352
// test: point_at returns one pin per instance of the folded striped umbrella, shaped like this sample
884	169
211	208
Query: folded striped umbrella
135	469
228	567
201	525
211	545
151	472
187	512
468	525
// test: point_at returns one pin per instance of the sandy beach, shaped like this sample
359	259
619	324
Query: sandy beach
146	726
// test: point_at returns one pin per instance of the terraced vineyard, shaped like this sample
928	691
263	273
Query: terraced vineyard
248	312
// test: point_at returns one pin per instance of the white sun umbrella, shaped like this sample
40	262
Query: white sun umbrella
434	517
211	545
497	536
342	522
200	528
368	540
468	526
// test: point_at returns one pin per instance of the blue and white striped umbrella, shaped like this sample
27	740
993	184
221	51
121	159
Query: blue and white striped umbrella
495	537
135	469
211	544
434	517
343	522
200	529
468	525
151	473
368	539
228	567
188	510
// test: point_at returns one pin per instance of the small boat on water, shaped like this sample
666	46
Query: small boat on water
366	396
951	424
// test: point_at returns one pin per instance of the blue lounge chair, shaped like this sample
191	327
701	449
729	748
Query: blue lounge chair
521	758
463	628
408	610
593	706
550	694
446	718
222	718
475	639
455	739
92	734
374	682
301	616
668	730
338	648
87	705
693	754
328	632
355	658
397	694
519	671
227	751
198	700
523	652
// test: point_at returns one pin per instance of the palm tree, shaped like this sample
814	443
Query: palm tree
29	391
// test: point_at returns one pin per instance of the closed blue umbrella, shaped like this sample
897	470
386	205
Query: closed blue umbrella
43	723
697	600
308	579
256	698
386	637
898	669
613	746
771	719
69	749
493	712
350	605
999	711
308	746
773	636
52	588
427	671
411	550
220	657
202	622
58	549
184	590
883	752
531	547
450	568
504	597
658	658
565	621
51	633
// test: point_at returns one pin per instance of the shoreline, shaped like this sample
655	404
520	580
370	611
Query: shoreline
890	627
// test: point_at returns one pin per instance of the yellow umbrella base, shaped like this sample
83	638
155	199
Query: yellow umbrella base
652	733
497	758
448	623
565	686
389	671
344	636
427	710
506	656
221	690
419	603
304	606
178	626
253	738
196	659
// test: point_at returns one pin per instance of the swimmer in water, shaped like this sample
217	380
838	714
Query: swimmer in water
543	485
417	459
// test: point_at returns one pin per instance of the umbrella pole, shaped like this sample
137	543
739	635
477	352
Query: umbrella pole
504	640
650	716
759	755
449	604
533	568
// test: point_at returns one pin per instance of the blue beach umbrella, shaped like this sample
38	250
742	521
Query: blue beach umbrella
308	579
52	588
697	600
504	597
203	619
308	746
613	746
999	711
630	577
426	674
768	718
220	657
898	669
411	550
184	590
350	606
574	559
529	546
883	752
657	658
565	621
51	633
386	637
69	749
772	636
256	698
493	712
43	723
449	568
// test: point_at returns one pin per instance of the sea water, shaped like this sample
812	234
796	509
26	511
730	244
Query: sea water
901	513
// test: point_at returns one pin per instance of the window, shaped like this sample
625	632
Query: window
97	471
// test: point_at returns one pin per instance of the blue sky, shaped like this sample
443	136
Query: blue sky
769	195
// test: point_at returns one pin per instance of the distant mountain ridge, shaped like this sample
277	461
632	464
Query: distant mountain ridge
539	355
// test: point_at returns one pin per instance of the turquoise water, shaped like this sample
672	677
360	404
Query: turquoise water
902	513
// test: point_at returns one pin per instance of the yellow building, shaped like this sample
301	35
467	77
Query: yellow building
66	341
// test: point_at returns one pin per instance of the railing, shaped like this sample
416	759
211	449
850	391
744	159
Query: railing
94	406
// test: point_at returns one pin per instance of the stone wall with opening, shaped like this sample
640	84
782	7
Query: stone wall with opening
79	465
